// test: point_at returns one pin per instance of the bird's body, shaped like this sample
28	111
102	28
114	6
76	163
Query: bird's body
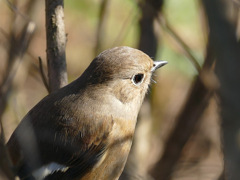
85	129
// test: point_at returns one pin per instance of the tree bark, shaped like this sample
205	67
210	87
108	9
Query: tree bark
56	43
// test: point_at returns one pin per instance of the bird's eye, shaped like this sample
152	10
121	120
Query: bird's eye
138	79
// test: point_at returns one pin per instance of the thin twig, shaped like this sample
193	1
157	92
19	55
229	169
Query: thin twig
167	27
44	79
127	24
15	10
101	25
164	23
16	52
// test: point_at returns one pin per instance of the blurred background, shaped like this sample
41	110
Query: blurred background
180	115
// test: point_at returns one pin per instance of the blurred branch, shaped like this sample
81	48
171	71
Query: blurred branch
126	26
16	11
44	79
227	49
18	45
237	2
164	23
148	38
16	51
56	43
154	7
101	25
202	90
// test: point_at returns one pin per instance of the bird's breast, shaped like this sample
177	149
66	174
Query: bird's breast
111	165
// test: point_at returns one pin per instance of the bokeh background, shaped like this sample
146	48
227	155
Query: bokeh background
171	30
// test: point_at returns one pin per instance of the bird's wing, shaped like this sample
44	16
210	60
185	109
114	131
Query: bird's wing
75	140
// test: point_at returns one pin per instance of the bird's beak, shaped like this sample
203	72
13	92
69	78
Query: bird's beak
158	64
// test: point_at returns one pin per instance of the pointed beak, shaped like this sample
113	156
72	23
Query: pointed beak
158	64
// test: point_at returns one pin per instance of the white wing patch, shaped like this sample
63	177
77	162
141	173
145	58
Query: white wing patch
42	172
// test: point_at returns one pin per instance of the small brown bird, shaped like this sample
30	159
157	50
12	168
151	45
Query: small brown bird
85	129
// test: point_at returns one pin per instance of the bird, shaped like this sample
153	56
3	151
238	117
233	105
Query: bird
84	130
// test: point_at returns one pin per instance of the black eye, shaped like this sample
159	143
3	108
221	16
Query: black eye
138	79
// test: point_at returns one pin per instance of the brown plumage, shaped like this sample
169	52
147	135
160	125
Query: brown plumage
85	130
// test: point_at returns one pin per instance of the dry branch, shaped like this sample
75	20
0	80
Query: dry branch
16	52
56	43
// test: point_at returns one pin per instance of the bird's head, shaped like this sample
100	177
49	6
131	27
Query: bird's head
125	71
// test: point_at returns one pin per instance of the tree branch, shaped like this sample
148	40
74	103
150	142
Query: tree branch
227	49
56	43
17	49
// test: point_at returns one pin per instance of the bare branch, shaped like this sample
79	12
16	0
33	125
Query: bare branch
56	43
16	52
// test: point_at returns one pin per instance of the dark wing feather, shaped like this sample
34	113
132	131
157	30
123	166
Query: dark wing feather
80	166
62	133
